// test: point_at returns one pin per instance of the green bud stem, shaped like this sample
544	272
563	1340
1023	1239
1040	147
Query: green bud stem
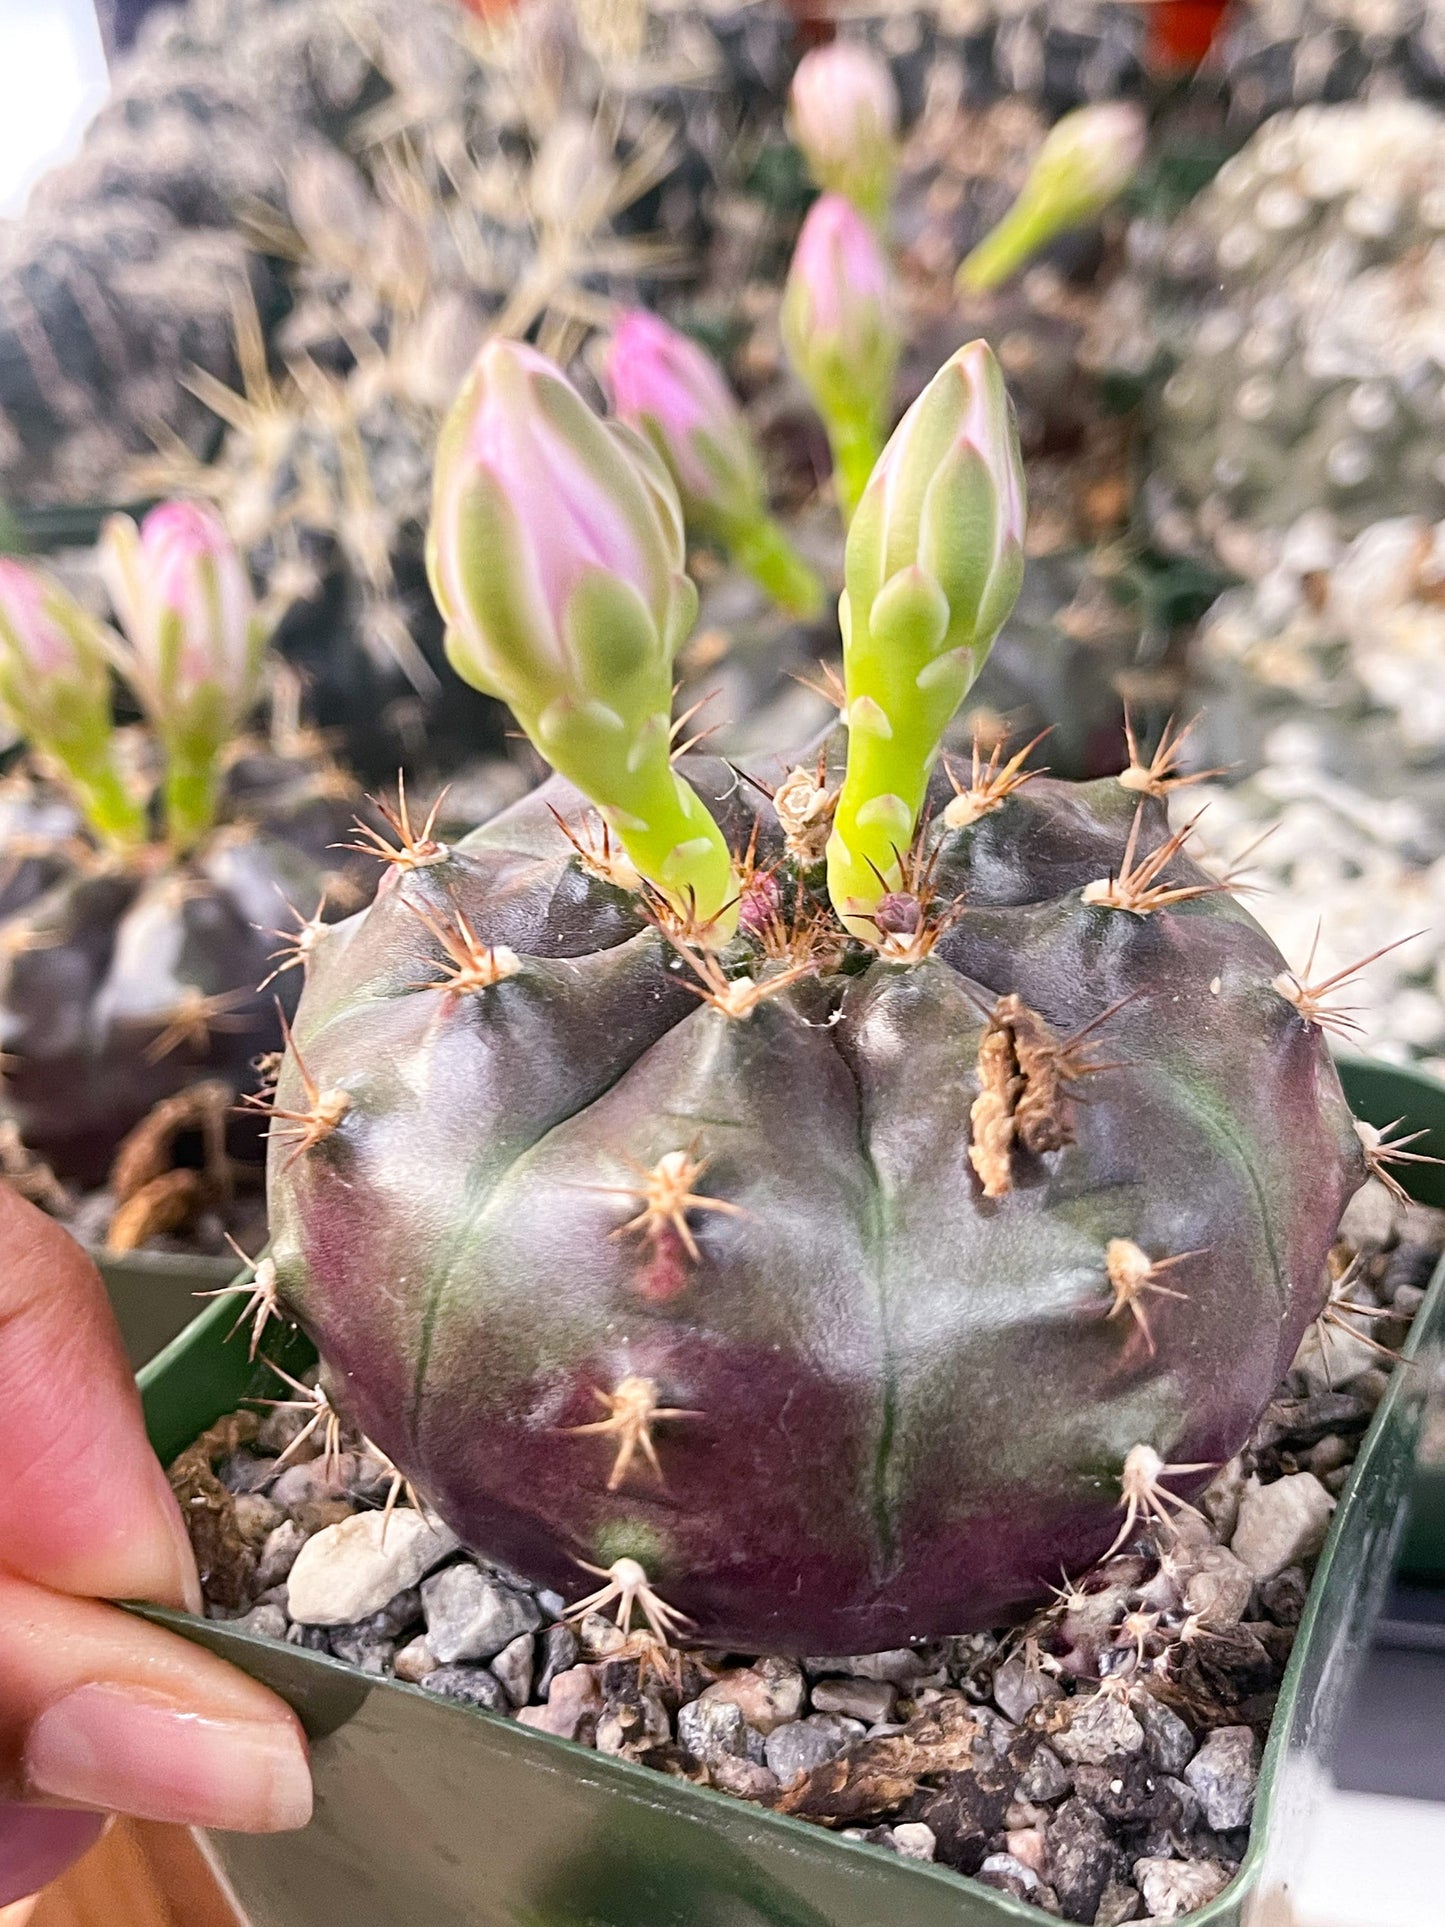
659	819
192	798
902	693
105	800
762	550
856	442
1020	235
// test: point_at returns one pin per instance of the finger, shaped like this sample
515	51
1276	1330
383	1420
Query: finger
100	1709
84	1506
38	1843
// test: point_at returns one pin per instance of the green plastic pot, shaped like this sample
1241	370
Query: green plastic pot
154	1293
430	1812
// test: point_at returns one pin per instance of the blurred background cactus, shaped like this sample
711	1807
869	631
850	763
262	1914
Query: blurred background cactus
153	878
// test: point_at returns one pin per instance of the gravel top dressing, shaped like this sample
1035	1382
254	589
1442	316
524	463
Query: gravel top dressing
1099	1760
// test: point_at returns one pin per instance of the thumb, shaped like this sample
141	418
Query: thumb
84	1504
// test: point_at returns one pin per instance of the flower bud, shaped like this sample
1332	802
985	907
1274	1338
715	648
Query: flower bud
933	567
947	496
538	507
556	556
55	685
841	332
185	602
1087	161
845	119
196	638
670	391
667	388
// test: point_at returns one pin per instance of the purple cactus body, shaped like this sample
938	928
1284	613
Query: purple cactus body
102	956
902	1403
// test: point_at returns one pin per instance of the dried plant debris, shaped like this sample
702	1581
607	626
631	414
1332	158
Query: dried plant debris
1098	1761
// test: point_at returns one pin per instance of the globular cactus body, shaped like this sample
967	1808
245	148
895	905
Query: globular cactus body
843	1256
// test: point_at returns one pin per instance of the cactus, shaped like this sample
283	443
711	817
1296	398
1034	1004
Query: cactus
129	967
825	1284
1283	332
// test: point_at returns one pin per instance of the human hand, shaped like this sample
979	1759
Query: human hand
100	1711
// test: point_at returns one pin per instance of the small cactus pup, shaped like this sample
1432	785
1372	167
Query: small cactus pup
843	337
830	1280
844	115
671	391
148	872
1088	160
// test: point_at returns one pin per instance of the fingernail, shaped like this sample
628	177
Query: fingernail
124	1748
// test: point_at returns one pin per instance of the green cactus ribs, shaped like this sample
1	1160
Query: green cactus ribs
843	1287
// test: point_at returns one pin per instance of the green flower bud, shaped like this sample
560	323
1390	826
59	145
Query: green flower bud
933	567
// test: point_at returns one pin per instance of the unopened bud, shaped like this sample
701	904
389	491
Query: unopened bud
845	119
55	685
841	331
669	390
1087	161
556	556
933	567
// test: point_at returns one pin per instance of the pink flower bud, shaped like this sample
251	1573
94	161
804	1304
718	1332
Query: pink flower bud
185	601
535	500
841	331
31	624
666	387
845	119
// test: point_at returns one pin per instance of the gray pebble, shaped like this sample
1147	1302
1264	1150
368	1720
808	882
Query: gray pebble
552	1603
560	1652
1167	1740
869	1700
311	1639
1019	1687
1045	1777
712	1730
415	1660
1119	1903
1099	1727
800	1745
360	1646
1224	1773
473	1685
513	1667
243	1472
472	1615
301	1485
901	1665
1282	1523
278	1554
268	1622
744	1779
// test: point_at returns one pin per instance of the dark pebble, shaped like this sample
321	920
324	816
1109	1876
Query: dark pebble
1283	1597
965	1810
313	1639
1083	1859
473	1685
559	1654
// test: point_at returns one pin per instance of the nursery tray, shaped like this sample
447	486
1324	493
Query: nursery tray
154	1293
430	1812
